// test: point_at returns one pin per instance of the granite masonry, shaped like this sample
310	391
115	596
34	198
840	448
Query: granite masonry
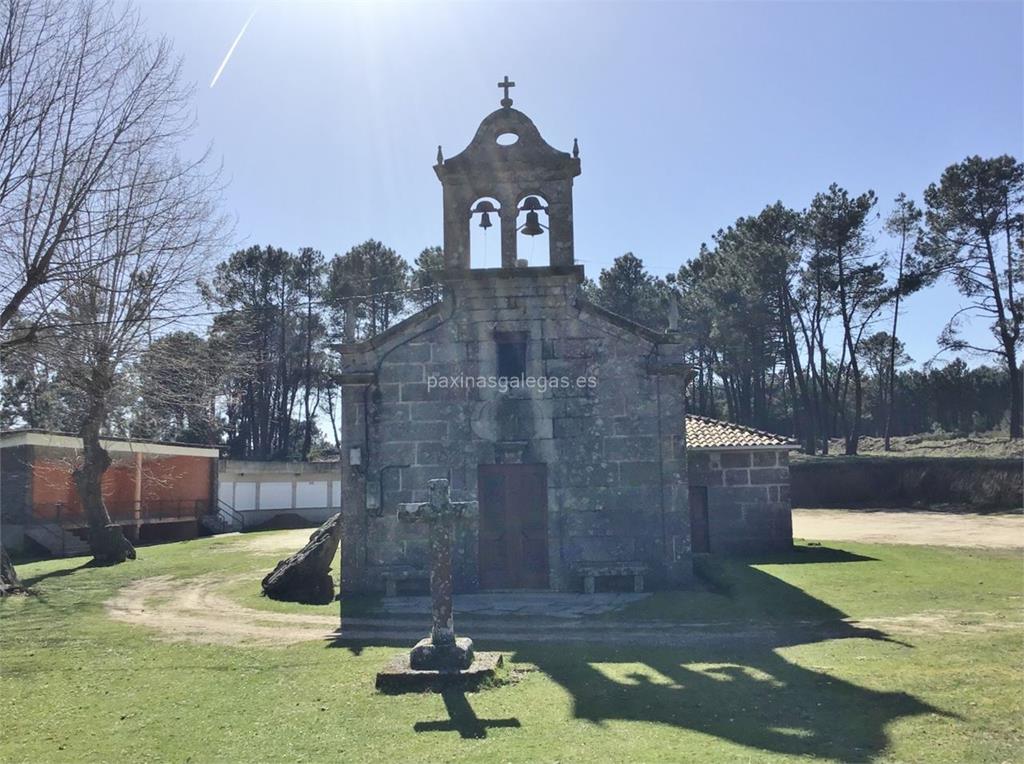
562	419
738	488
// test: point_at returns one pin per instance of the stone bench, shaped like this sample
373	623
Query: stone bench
393	575
594	570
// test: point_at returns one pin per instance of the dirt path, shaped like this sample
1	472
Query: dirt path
192	611
278	541
925	528
179	610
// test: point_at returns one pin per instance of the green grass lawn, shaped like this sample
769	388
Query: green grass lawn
931	673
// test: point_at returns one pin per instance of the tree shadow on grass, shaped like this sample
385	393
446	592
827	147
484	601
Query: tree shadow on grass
735	684
58	573
747	695
724	677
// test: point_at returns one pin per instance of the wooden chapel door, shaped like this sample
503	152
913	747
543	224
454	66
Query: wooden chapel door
513	549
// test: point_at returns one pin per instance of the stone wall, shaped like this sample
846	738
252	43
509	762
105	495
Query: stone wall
748	498
614	446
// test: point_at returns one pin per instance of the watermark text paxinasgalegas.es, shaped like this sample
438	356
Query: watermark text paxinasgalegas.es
504	384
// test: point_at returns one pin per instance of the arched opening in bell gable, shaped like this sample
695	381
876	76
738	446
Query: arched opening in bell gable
532	230
485	233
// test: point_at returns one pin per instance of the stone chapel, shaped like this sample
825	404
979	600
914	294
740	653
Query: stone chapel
562	419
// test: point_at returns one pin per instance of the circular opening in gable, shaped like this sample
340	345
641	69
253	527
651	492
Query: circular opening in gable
507	139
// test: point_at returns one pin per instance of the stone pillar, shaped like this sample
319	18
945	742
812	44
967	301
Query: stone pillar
137	501
672	376
441	584
456	228
509	238
354	519
560	234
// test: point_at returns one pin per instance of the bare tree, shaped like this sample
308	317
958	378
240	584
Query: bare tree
83	95
149	236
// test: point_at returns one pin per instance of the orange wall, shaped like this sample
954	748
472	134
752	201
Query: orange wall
164	478
176	477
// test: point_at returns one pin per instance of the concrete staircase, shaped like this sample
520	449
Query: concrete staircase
59	541
226	520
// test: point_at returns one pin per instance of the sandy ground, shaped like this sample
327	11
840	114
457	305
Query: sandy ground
192	611
281	541
895	527
1003	531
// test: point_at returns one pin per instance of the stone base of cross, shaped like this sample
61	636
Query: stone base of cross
441	651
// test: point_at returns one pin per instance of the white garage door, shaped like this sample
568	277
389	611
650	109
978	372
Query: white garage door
245	496
275	495
311	494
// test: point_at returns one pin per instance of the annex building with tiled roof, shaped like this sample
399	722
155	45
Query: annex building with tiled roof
738	487
705	433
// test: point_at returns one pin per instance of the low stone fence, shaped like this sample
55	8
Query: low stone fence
865	481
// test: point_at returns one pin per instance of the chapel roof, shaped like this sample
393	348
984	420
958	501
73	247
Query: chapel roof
704	433
529	153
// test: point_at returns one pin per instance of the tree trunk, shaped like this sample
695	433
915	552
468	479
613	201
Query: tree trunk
1016	423
852	431
283	416
106	541
1008	335
891	381
307	436
331	414
853	439
9	581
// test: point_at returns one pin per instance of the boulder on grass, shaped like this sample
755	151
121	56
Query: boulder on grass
306	575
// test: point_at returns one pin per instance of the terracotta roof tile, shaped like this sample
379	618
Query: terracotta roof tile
704	432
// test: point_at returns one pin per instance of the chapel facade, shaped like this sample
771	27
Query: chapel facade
580	464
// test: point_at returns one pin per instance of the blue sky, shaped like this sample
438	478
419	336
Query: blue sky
688	114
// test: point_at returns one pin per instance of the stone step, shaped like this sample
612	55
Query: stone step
57	540
508	631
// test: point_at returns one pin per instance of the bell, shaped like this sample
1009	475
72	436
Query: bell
532	203
532	225
485	221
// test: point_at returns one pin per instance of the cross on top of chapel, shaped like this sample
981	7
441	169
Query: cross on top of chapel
505	85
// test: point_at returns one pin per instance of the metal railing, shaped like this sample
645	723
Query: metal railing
121	513
235	518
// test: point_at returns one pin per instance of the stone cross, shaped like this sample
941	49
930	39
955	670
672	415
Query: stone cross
506	101
440	651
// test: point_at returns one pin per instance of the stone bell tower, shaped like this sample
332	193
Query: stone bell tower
508	161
